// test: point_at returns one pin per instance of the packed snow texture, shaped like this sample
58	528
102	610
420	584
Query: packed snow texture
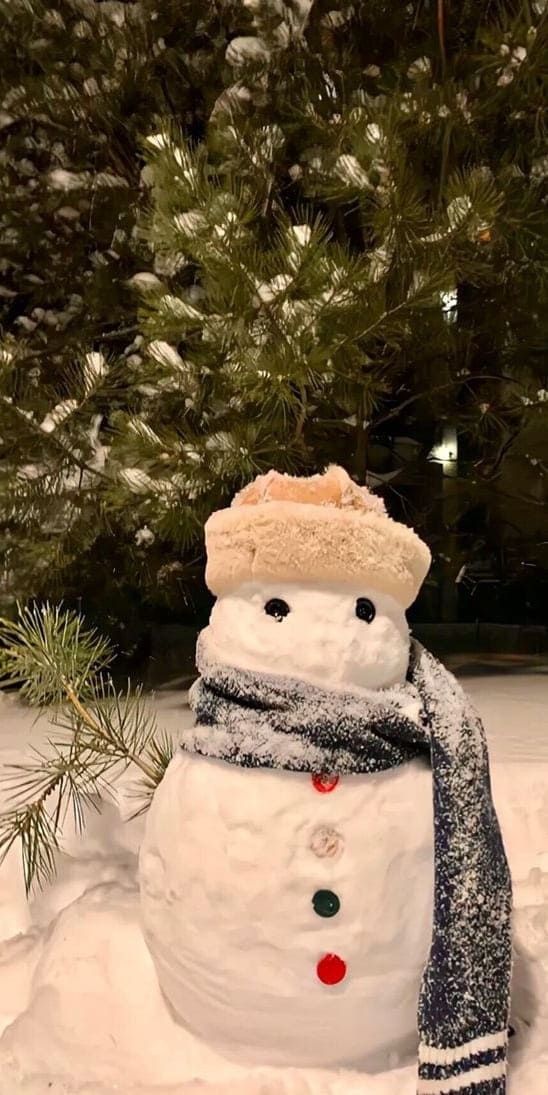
321	639
229	865
79	1000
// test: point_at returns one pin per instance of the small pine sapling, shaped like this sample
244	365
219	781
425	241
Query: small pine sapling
99	730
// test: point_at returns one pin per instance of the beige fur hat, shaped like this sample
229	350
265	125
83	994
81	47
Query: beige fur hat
323	528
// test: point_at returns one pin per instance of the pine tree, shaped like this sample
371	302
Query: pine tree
81	83
334	238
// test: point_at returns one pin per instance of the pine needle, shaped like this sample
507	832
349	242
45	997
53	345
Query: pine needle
54	659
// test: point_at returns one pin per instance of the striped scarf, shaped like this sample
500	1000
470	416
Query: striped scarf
261	720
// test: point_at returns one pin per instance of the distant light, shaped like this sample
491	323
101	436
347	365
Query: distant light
448	301
446	451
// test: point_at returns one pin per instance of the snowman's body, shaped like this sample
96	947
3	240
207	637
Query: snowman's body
289	917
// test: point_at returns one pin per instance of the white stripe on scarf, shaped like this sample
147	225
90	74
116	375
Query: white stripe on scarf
431	1055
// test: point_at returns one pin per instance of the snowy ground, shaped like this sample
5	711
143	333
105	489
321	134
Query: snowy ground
80	1009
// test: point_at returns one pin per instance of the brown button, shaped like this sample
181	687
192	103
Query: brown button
326	842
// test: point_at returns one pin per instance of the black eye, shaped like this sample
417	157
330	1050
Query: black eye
277	608
365	609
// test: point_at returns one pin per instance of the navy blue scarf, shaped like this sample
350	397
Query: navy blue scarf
262	720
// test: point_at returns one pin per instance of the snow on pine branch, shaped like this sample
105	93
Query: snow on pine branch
349	170
145	282
169	153
58	414
138	481
176	308
190	223
144	433
458	213
93	372
61	179
166	355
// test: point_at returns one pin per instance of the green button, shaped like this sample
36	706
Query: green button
326	903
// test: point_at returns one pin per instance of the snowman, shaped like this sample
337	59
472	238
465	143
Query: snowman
287	870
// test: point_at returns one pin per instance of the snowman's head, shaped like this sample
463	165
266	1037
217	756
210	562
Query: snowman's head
337	636
313	578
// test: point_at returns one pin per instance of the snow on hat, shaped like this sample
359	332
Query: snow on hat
320	528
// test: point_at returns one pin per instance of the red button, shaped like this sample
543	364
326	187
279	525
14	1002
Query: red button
325	783
331	969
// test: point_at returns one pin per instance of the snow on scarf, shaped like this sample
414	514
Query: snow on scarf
262	720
